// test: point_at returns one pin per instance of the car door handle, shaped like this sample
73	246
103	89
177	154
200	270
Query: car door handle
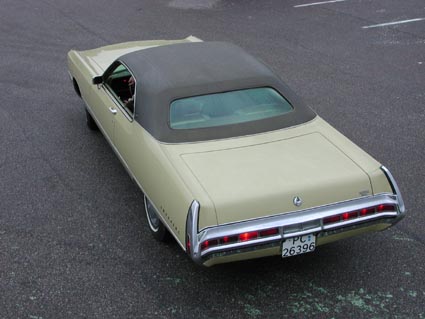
112	110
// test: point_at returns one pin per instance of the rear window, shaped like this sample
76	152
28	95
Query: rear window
227	108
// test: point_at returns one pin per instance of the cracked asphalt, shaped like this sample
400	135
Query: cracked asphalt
73	238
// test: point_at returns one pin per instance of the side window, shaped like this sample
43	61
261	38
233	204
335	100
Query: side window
122	85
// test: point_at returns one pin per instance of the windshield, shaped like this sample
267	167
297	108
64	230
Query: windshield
227	108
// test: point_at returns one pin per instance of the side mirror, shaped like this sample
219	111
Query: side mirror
97	80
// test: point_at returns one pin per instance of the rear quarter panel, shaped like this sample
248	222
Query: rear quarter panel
159	180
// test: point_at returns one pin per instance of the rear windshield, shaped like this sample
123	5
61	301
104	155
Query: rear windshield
227	108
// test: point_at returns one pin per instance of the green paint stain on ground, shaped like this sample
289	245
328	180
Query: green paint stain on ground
252	311
318	289
322	290
358	302
301	307
317	302
396	237
321	307
307	304
176	281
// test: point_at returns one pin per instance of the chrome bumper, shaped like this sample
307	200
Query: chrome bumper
308	221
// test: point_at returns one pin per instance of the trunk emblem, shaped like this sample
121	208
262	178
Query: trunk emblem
297	201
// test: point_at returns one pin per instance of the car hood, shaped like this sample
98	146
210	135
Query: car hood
258	180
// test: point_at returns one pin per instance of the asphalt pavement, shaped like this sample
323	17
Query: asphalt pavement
73	238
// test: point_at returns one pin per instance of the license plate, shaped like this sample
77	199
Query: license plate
298	245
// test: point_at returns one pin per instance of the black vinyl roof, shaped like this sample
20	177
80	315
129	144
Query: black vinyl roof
166	73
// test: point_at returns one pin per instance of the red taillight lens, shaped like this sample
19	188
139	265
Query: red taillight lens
229	239
331	219
385	208
188	246
269	232
350	215
248	236
209	243
361	213
237	238
367	211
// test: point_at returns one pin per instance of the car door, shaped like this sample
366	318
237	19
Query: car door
118	96
104	109
126	138
112	95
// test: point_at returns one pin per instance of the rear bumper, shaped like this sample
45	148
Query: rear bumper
211	243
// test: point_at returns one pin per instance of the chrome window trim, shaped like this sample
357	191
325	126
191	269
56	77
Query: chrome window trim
224	92
118	101
290	224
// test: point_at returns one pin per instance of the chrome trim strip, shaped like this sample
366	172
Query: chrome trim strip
361	219
291	224
395	188
300	216
192	232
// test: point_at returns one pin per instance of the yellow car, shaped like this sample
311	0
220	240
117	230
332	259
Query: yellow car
231	162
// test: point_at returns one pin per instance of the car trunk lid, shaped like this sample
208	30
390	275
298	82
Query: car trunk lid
264	179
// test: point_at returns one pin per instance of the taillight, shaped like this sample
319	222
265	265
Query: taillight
350	215
331	219
242	237
188	245
385	208
367	211
269	232
209	243
360	213
248	236
229	239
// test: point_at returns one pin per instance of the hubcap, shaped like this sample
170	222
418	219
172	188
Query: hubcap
153	219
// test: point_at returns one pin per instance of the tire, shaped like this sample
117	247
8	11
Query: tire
156	227
90	122
76	87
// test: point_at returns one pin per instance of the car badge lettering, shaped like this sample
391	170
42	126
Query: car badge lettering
297	201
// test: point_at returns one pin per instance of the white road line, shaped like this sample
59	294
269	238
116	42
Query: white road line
391	23
317	3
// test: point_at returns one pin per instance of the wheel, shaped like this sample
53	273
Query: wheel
155	224
90	122
76	87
